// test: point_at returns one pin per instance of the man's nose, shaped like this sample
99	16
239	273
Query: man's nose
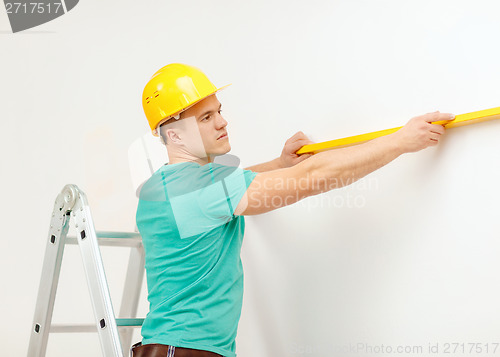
220	122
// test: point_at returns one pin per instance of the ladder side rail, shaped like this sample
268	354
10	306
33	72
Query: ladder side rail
51	269
96	279
132	293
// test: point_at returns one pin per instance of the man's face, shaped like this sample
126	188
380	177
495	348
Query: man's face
206	116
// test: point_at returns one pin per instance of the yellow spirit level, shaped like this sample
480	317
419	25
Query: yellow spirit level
460	120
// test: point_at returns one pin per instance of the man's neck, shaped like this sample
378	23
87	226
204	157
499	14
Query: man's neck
201	161
177	156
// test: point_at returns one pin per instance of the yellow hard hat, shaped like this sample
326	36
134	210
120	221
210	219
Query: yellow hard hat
173	89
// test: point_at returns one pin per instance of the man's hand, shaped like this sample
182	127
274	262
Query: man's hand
419	133
288	156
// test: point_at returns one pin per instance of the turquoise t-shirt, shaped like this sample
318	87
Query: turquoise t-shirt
192	241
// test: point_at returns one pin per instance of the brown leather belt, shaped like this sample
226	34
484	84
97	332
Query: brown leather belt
157	350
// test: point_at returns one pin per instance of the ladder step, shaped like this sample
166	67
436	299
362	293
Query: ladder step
121	323
73	328
109	238
135	322
111	234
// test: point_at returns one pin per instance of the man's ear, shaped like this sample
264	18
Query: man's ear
173	135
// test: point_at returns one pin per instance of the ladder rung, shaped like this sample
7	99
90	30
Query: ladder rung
121	323
135	322
73	328
110	234
108	238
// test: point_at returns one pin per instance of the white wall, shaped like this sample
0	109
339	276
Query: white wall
408	256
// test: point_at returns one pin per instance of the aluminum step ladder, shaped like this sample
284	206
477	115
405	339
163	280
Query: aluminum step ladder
115	334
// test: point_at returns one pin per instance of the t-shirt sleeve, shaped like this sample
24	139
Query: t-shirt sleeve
211	200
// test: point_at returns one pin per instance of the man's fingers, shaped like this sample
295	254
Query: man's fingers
306	142
438	129
435	137
297	135
296	145
437	116
303	157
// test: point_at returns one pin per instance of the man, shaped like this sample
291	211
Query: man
190	212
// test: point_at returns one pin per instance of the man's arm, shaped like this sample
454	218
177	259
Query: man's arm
337	168
267	166
288	156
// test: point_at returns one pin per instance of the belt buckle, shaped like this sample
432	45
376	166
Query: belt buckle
134	346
